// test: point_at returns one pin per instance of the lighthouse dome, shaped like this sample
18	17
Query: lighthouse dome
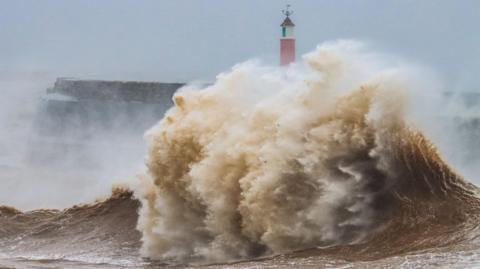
287	22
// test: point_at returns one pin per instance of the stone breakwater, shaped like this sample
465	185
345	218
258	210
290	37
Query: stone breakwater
127	91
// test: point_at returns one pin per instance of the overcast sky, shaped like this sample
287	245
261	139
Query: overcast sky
183	40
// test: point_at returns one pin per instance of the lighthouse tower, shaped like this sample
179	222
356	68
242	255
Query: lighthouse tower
287	41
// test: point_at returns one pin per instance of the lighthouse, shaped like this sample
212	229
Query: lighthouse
287	41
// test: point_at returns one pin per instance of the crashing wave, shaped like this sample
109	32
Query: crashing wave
314	160
268	161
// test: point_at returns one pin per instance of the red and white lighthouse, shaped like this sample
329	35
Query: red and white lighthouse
287	41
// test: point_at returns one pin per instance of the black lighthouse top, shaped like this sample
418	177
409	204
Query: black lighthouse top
287	22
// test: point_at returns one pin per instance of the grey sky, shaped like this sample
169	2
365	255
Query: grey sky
196	39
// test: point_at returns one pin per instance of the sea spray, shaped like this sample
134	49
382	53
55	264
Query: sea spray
316	158
269	160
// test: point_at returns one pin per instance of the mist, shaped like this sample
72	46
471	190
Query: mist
57	152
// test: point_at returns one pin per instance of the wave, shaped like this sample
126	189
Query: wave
315	160
101	231
267	161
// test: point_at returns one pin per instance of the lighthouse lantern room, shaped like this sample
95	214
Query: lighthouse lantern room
287	41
